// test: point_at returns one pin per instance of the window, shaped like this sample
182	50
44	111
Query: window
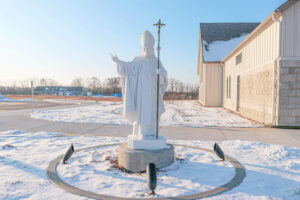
238	59
229	96
228	87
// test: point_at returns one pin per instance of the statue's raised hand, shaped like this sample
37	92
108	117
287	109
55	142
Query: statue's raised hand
114	58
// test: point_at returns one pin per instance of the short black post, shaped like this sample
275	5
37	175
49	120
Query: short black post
68	154
219	151
151	177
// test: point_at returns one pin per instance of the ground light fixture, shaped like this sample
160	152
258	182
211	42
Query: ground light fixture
68	154
219	151
151	177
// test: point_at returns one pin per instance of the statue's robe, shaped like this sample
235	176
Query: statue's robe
139	88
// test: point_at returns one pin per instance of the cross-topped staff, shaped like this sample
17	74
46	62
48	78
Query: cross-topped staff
158	25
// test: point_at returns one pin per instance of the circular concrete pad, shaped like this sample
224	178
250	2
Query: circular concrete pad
136	160
240	174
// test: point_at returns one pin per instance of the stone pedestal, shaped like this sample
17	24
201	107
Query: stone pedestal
136	160
134	142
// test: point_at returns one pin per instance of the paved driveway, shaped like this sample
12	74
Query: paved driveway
19	119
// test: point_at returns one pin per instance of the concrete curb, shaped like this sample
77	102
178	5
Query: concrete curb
240	174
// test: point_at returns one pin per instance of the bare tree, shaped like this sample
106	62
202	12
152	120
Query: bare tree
93	84
178	85
176	88
43	82
188	88
172	85
48	82
113	84
53	82
25	83
77	82
181	87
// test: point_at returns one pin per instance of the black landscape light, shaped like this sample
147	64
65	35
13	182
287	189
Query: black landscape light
68	154
219	151
151	177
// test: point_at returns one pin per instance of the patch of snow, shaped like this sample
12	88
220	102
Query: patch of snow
218	50
106	96
273	171
66	101
178	113
90	170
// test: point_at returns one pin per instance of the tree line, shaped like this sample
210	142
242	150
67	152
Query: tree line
176	88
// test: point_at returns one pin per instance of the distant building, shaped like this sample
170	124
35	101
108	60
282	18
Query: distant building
253	69
59	90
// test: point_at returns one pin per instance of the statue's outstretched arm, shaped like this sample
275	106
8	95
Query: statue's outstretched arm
124	68
114	58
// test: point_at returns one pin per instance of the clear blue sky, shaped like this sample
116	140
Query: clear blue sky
63	40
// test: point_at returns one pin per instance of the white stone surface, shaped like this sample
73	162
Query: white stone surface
135	142
139	87
136	160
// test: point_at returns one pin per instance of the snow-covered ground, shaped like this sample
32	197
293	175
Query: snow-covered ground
273	171
90	170
66	101
178	113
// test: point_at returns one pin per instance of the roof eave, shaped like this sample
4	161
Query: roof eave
286	6
211	62
256	31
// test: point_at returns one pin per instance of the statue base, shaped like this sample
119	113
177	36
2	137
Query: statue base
134	142
136	160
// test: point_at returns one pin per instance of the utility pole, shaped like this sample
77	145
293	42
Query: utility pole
31	97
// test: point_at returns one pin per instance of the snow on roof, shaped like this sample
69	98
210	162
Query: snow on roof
219	39
218	50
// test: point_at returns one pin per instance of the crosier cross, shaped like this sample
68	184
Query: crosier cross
158	25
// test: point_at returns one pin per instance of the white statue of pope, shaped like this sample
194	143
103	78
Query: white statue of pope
139	89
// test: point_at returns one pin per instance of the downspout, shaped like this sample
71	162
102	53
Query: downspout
276	63
222	65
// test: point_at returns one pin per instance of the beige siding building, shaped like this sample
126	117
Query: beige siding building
216	41
261	75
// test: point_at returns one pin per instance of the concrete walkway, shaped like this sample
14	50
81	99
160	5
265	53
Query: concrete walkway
20	120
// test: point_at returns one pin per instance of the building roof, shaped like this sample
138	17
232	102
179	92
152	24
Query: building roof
58	89
286	5
282	8
219	39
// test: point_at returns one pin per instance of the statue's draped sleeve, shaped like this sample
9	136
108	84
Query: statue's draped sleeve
163	84
163	78
128	72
